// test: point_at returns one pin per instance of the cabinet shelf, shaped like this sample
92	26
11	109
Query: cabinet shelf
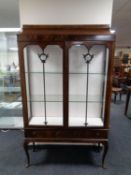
59	98
82	98
92	73
79	121
49	98
56	121
45	73
73	121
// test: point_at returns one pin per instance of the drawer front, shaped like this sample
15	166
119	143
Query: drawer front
91	134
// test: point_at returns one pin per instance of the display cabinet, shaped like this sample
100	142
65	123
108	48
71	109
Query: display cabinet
66	83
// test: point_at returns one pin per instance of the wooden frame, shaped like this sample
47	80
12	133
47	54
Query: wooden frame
65	36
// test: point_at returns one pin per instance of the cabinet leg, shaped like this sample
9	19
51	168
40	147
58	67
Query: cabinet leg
34	147
104	153
27	153
115	95
127	102
120	95
99	147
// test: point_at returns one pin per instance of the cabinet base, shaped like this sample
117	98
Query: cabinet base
33	141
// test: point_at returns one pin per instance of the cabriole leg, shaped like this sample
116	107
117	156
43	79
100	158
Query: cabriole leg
34	147
27	153
104	153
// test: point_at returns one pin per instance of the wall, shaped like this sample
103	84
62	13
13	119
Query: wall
65	12
9	14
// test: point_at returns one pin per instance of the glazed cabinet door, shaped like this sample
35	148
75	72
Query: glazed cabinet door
88	70
44	84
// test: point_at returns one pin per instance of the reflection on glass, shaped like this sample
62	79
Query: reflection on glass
87	85
10	91
43	71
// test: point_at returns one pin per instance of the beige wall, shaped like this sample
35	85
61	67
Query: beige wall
65	11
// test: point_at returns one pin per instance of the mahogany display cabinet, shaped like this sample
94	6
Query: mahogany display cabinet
66	84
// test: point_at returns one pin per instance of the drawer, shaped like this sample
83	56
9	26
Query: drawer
91	134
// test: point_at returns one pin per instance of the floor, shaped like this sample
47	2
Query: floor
71	160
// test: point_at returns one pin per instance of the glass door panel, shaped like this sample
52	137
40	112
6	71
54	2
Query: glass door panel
44	82
10	91
87	85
